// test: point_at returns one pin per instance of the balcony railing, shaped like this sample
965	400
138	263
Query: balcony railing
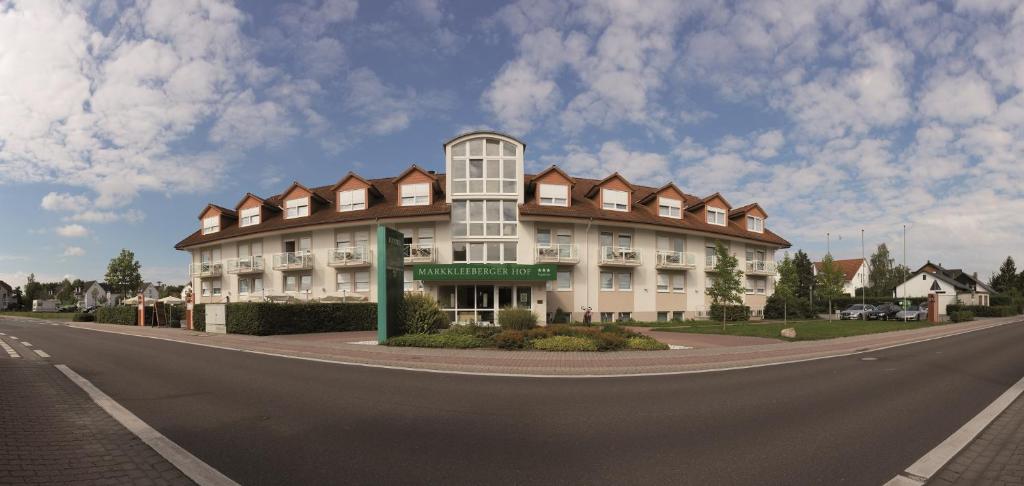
420	253
295	260
241	266
620	256
206	269
349	256
759	267
710	262
676	259
564	253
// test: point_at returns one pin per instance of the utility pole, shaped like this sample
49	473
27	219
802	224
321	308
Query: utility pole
908	268
863	289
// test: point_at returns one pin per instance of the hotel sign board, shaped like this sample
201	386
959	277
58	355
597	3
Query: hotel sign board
504	272
390	281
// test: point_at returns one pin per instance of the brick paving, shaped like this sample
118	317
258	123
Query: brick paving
339	347
51	432
996	457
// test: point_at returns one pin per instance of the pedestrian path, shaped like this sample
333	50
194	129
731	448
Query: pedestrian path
994	457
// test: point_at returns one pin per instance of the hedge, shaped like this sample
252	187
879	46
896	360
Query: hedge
961	316
732	312
125	315
983	310
797	309
83	317
266	318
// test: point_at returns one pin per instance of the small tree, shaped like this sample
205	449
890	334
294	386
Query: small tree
804	275
123	274
881	278
830	281
787	285
1006	279
726	284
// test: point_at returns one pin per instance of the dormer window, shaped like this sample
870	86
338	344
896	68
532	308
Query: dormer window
716	216
670	208
296	208
553	194
755	224
211	225
353	200
614	200
249	217
416	194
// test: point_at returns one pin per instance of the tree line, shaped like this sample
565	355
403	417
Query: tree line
1007	280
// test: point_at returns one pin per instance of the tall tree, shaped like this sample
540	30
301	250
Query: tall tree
830	281
804	274
1006	280
880	274
785	288
726	284
66	293
123	274
33	290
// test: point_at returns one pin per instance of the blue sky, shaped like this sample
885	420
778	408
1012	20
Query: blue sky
120	120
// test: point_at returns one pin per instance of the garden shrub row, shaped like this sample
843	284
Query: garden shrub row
961	316
125	315
732	312
266	318
550	338
983	310
83	317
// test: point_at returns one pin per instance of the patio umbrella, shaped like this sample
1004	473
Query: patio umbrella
172	300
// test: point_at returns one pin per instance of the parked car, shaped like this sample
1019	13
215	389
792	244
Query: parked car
68	308
90	310
884	312
913	313
855	311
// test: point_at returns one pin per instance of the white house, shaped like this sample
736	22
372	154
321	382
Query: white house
6	295
855	274
99	293
949	286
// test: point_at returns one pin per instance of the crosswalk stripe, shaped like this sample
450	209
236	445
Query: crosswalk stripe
41	353
26	344
10	351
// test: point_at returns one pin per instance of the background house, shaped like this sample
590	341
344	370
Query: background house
949	286
6	295
99	293
855	274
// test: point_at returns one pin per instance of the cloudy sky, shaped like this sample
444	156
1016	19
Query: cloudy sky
120	119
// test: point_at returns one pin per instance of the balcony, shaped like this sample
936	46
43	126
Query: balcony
619	256
205	269
247	265
420	254
561	254
758	267
675	260
349	256
296	260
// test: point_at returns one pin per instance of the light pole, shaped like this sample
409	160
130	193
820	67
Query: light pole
863	289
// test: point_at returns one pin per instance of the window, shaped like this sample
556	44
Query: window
410	284
625	316
662	316
484	218
607	281
416	194
485	252
343	281
625	281
670	208
298	282
716	216
606	317
362	281
564	281
543	238
353	200
679	283
355	239
614	200
677	315
664	282
205	286
250	216
250	286
216	287
755	224
211	225
484	166
554	195
759	285
353	281
296	208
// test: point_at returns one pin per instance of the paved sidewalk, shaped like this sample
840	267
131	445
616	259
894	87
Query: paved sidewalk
51	432
996	457
339	347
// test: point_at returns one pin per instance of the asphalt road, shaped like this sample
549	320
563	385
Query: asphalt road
268	420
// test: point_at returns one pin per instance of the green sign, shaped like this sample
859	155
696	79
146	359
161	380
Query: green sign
485	271
390	280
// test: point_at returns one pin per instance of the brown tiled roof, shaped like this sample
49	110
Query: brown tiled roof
387	207
743	209
848	267
4	285
583	207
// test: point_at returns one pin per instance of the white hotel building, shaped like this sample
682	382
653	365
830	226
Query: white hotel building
624	250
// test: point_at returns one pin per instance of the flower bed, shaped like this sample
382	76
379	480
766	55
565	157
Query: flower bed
550	338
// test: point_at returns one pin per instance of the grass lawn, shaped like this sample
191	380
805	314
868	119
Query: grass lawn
805	330
56	316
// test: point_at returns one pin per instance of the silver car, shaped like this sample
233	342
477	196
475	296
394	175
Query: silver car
913	313
855	311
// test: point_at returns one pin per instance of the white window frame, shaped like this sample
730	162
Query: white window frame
679	283
204	288
482	248
568	280
664	283
611	282
249	217
618	281
211	225
352	200
218	289
553	194
714	215
296	208
670	208
612	203
755	224
416	194
361	280
504	157
464	219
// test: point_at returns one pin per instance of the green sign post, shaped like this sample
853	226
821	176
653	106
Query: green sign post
486	271
390	280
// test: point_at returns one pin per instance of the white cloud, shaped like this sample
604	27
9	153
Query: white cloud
386	109
637	167
63	201
72	231
74	251
94	216
959	99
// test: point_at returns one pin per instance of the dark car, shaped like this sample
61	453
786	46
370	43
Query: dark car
68	308
884	312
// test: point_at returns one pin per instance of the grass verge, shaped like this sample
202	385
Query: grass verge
805	330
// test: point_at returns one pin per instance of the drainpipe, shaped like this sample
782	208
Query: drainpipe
589	223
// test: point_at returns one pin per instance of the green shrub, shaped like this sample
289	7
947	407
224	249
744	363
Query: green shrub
645	343
473	329
125	315
564	343
83	317
983	310
961	316
543	332
420	314
609	341
517	319
732	312
510	339
443	340
266	318
796	309
199	317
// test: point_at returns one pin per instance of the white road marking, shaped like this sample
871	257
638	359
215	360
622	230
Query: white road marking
2	334
678	346
26	344
41	353
13	337
10	351
926	467
368	343
193	467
